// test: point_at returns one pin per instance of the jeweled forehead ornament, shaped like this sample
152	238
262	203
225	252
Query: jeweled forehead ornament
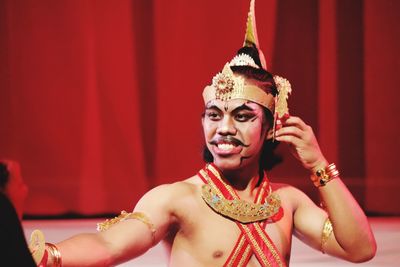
226	85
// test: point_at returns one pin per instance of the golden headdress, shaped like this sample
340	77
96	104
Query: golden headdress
225	85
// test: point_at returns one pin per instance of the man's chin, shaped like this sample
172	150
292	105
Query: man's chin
228	164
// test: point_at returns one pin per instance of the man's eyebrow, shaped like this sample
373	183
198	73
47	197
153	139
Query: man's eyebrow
237	109
212	107
243	107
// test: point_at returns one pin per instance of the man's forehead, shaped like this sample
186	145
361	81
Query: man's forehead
232	104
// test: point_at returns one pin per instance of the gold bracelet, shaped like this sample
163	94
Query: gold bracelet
55	253
324	175
326	232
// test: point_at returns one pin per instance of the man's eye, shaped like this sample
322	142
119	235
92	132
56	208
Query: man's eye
243	116
213	115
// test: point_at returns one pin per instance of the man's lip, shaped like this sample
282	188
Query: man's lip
223	152
224	143
227	140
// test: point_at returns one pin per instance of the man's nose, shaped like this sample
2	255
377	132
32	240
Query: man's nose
226	126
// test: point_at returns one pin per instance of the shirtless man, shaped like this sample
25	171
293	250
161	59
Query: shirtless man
229	214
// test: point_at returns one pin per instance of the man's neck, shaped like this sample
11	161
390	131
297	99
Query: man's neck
244	180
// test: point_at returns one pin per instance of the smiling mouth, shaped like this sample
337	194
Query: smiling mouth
227	142
225	149
226	146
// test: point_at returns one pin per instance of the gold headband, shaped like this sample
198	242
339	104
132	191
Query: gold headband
226	86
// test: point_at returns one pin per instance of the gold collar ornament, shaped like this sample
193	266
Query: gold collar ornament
240	210
226	85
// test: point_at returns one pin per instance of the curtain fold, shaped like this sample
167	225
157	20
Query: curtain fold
74	105
101	101
382	130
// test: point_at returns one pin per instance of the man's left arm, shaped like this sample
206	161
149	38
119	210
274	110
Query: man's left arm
351	238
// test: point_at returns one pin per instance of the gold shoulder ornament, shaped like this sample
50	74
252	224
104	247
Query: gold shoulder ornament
140	216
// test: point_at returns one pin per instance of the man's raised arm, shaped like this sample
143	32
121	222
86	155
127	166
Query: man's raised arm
342	229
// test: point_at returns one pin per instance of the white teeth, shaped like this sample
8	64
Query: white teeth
225	146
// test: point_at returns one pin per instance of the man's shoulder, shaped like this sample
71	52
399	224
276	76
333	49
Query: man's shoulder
170	196
290	194
283	188
180	189
287	189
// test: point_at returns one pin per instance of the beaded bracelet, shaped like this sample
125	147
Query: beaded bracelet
324	175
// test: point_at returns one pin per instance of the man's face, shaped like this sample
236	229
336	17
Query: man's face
234	132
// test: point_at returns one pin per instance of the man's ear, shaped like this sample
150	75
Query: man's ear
270	134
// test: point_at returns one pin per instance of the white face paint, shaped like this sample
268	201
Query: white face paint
234	132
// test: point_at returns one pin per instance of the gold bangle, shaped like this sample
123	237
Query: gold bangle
325	175
55	253
326	232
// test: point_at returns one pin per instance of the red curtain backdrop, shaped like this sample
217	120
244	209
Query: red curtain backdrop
101	100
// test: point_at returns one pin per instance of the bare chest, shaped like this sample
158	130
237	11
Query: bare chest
208	238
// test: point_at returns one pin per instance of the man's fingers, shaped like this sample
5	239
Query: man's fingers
289	139
290	130
295	121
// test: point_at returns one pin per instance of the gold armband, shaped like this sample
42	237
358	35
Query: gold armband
55	254
326	232
323	176
140	216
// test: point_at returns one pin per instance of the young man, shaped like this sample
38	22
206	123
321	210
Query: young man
229	214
